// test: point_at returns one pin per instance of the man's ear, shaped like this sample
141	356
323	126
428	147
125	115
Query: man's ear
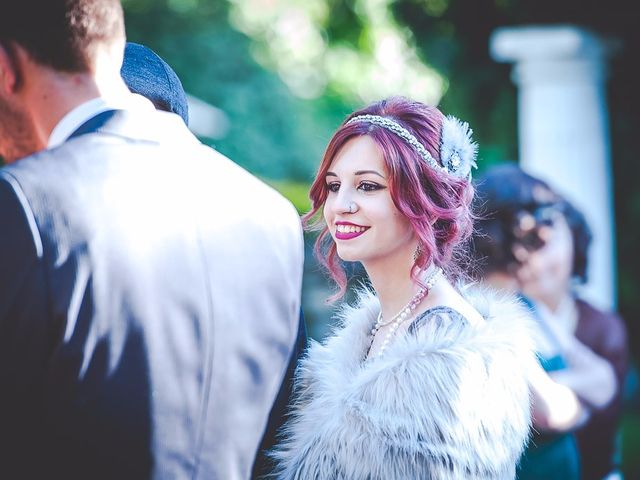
8	71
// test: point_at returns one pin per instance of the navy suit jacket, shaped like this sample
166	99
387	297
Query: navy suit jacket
149	301
264	465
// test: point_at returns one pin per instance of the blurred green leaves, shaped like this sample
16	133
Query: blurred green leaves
273	133
296	192
287	71
306	42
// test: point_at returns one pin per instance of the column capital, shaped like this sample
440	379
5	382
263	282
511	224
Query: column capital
533	43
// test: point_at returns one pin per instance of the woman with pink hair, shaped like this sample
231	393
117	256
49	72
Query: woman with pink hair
423	377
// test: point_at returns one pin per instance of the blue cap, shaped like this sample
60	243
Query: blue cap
146	74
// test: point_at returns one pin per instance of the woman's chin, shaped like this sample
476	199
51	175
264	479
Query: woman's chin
348	255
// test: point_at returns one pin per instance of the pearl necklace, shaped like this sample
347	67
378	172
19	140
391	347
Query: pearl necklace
404	314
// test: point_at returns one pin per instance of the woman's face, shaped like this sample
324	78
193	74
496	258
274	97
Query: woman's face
375	231
545	274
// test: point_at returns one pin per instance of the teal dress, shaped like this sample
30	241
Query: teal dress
550	456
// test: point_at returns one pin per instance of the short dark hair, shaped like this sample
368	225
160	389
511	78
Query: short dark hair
61	34
582	236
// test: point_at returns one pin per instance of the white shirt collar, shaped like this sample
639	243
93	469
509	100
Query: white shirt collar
83	112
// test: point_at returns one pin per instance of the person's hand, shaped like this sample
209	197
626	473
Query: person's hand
555	408
590	376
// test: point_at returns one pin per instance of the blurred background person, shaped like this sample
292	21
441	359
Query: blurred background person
146	73
534	241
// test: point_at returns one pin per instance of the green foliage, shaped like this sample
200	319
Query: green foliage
273	133
454	37
296	192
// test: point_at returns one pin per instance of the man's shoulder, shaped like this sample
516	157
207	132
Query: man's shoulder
19	181
20	233
161	152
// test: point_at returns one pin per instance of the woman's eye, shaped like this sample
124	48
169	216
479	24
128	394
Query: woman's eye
333	186
369	186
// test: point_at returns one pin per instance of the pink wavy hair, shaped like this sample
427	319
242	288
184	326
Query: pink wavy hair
437	205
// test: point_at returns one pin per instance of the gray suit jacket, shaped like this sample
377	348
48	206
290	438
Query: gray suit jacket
149	300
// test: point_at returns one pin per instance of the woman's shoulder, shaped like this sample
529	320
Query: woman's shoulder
472	375
457	393
441	318
488	322
499	306
474	305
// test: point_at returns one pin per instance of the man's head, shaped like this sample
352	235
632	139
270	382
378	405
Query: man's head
61	34
50	50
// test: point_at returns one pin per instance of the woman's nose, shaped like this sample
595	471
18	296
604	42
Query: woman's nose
343	202
346	202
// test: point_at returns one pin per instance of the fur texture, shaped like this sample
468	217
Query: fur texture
450	402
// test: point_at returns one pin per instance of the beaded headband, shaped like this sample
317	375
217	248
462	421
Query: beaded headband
457	149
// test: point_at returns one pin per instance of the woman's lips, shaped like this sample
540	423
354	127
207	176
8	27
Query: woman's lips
347	231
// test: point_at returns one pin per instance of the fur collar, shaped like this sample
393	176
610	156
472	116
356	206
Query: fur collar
449	402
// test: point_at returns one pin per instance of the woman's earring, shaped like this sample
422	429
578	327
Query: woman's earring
418	252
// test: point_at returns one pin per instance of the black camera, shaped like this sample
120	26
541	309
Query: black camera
528	223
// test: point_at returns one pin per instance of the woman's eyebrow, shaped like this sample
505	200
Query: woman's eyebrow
359	172
364	172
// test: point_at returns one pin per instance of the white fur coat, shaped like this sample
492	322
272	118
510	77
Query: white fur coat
448	402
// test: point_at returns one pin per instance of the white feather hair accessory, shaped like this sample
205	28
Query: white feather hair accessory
457	149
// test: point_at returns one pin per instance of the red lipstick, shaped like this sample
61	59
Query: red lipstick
347	232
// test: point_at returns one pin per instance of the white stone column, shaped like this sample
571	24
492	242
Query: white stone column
560	72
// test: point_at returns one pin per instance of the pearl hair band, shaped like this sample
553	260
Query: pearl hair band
457	149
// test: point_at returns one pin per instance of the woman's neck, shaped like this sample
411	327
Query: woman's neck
394	287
